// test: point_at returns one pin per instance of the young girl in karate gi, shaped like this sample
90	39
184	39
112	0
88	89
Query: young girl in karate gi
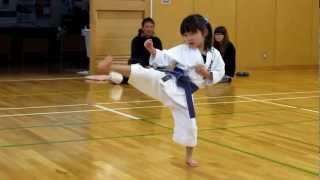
175	74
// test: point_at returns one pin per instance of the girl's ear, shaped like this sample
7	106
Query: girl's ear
205	32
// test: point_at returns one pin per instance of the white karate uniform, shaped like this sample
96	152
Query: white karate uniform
150	82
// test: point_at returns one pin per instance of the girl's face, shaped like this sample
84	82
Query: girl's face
218	37
194	39
148	29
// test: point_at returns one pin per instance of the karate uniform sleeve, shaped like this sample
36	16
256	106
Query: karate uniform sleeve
161	59
217	68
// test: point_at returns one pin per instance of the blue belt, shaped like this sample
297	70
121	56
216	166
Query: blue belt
184	82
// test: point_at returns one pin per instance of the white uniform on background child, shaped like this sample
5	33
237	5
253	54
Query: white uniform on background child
151	82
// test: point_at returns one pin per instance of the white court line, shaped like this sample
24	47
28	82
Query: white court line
116	112
266	101
207	103
216	97
144	101
309	110
288	98
231	102
40	107
102	108
48	113
263	94
280	93
204	97
40	79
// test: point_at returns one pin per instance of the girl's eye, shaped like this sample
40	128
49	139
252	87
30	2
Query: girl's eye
189	33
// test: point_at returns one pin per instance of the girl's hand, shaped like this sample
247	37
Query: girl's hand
148	44
202	70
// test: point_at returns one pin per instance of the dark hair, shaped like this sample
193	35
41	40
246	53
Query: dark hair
221	46
195	22
147	19
222	30
144	21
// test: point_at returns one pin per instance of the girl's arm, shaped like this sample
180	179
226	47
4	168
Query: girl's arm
158	58
215	72
217	68
202	70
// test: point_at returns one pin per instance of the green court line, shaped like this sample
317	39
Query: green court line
260	157
63	125
204	130
153	134
79	140
291	139
159	125
151	122
257	125
229	113
149	119
213	129
266	124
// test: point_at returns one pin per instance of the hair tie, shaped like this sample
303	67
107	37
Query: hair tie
206	19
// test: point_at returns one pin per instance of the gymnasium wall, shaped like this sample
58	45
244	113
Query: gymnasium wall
113	24
267	33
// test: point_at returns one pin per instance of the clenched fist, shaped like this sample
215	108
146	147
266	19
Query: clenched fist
202	70
148	44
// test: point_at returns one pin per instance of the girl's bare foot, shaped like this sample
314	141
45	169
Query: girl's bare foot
105	65
97	77
192	163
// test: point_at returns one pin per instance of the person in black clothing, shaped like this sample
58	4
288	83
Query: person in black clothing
139	54
227	51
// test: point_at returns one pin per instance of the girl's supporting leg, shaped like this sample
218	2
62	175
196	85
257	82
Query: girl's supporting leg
189	160
185	132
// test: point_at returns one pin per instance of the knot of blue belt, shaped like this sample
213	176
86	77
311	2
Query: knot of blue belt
184	82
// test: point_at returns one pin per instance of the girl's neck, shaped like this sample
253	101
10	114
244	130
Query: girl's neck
201	48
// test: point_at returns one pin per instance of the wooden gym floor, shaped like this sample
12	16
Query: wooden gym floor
265	126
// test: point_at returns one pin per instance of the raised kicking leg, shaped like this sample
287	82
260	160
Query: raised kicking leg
106	65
